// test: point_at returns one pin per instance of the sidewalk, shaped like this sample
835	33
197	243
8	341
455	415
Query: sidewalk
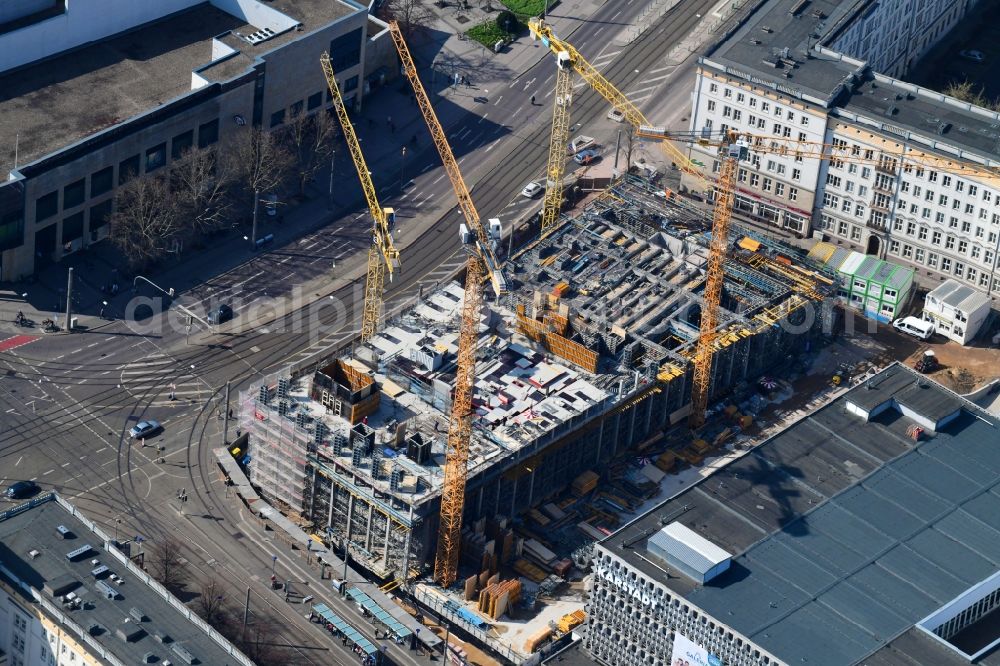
101	264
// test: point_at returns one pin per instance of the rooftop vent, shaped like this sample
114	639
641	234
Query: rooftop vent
33	554
891	110
689	552
943	128
798	7
183	654
63	531
766	29
137	614
150	658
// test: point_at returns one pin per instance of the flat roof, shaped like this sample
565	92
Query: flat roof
36	529
910	108
757	47
846	532
960	296
59	101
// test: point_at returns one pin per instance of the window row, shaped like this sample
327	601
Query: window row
752	101
101	182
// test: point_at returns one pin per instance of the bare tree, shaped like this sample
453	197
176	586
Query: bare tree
212	606
411	15
629	140
201	185
965	91
168	567
145	222
259	161
311	139
259	643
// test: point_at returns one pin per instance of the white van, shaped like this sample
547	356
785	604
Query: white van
914	326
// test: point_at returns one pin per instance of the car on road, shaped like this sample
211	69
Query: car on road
974	56
21	490
220	314
586	156
532	190
581	142
145	429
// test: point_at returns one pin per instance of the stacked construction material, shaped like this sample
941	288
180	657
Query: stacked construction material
585	483
497	596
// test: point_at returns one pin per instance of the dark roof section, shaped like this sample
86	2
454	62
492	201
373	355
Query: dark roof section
49	104
51	572
772	44
574	655
915	648
901	109
847	532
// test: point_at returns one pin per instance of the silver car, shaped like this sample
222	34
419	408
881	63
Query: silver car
145	429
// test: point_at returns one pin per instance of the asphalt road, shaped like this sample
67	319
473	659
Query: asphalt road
66	402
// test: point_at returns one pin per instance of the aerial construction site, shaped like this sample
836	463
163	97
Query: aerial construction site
586	358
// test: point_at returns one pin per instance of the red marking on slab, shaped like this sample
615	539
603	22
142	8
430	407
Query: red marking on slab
16	341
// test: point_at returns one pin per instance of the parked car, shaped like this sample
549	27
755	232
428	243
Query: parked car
914	326
586	156
145	429
532	190
21	489
581	142
974	56
220	314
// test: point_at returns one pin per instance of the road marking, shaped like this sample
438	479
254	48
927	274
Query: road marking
598	31
93	345
496	103
655	79
48	472
616	15
65	464
514	82
662	69
433	182
641	90
83	457
10	410
485	116
18	461
476	138
426	168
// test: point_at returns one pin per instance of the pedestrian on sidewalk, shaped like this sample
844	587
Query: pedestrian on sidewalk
532	100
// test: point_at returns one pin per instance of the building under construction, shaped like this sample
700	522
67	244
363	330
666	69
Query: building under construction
587	357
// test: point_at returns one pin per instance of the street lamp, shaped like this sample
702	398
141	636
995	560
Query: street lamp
402	158
333	156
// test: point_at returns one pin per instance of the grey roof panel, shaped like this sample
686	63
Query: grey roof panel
968	461
972	533
918	501
850	530
848	600
792	566
952	556
748	597
883	271
825	551
921	398
926	473
893	592
905	563
901	276
867	267
984	509
885	516
816	633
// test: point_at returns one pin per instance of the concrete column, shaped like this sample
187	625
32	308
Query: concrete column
350	517
406	556
388	530
329	509
513	499
368	531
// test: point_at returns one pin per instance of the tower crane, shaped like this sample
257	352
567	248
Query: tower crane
568	58
382	254
481	262
568	61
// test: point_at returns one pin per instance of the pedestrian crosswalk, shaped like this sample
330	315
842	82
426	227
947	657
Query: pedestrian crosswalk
158	381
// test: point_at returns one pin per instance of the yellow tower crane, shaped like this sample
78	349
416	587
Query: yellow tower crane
569	60
481	262
382	254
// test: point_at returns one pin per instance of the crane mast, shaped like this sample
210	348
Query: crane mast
382	254
480	262
558	139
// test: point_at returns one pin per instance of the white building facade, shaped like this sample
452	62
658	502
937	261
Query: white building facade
937	209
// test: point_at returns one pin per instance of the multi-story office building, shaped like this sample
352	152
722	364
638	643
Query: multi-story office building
789	71
69	597
865	533
95	91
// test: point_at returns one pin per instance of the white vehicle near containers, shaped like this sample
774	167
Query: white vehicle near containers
914	326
